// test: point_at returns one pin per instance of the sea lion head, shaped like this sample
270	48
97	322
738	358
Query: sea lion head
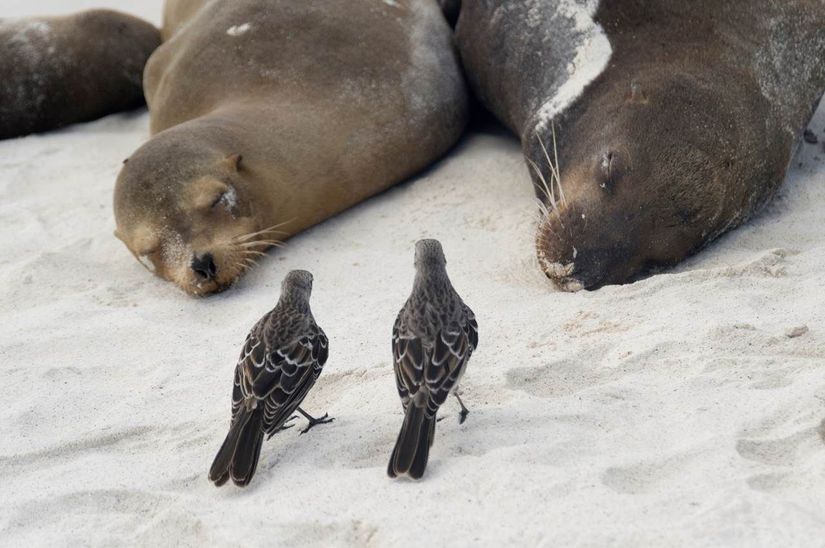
186	212
638	184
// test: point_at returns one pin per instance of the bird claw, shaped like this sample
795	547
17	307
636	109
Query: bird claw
314	422
281	429
286	425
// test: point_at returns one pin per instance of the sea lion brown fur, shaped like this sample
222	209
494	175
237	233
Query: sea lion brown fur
673	122
56	71
270	116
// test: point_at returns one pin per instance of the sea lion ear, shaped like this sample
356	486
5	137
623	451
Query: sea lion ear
636	94
233	162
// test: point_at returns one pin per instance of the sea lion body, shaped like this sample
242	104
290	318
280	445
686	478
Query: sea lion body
674	121
178	13
293	112
56	71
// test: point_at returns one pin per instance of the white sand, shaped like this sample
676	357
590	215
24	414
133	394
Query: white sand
674	411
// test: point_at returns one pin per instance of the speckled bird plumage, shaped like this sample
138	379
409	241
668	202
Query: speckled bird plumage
281	359
433	338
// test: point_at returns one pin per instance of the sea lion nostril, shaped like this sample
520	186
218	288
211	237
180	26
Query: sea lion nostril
204	266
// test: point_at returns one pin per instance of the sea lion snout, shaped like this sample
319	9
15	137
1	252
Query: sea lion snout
582	247
204	266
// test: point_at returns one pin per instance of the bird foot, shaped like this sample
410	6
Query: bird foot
313	422
462	416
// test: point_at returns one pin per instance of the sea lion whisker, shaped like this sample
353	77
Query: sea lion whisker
247	237
258	243
266	244
554	165
544	212
253	252
548	191
273	228
553	172
558	169
248	263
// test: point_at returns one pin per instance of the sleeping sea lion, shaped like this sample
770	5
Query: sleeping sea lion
270	116
56	71
652	126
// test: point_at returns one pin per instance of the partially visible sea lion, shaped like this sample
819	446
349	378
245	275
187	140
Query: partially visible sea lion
56	71
674	121
271	116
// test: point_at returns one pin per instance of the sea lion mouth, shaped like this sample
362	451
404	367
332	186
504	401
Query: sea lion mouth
560	273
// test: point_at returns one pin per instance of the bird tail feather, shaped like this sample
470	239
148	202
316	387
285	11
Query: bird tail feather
412	450
238	456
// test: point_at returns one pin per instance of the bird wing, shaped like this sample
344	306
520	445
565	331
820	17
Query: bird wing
470	327
279	377
408	362
454	345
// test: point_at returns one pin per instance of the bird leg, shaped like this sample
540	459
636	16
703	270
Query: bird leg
464	411
313	421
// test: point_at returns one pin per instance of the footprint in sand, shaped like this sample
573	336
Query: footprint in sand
88	445
774	452
783	455
582	370
642	477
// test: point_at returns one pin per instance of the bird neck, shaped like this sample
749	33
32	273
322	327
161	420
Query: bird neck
431	276
295	301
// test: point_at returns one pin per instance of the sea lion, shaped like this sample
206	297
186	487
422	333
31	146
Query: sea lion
270	116
673	121
56	71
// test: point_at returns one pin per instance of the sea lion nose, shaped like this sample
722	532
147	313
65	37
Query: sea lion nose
204	266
